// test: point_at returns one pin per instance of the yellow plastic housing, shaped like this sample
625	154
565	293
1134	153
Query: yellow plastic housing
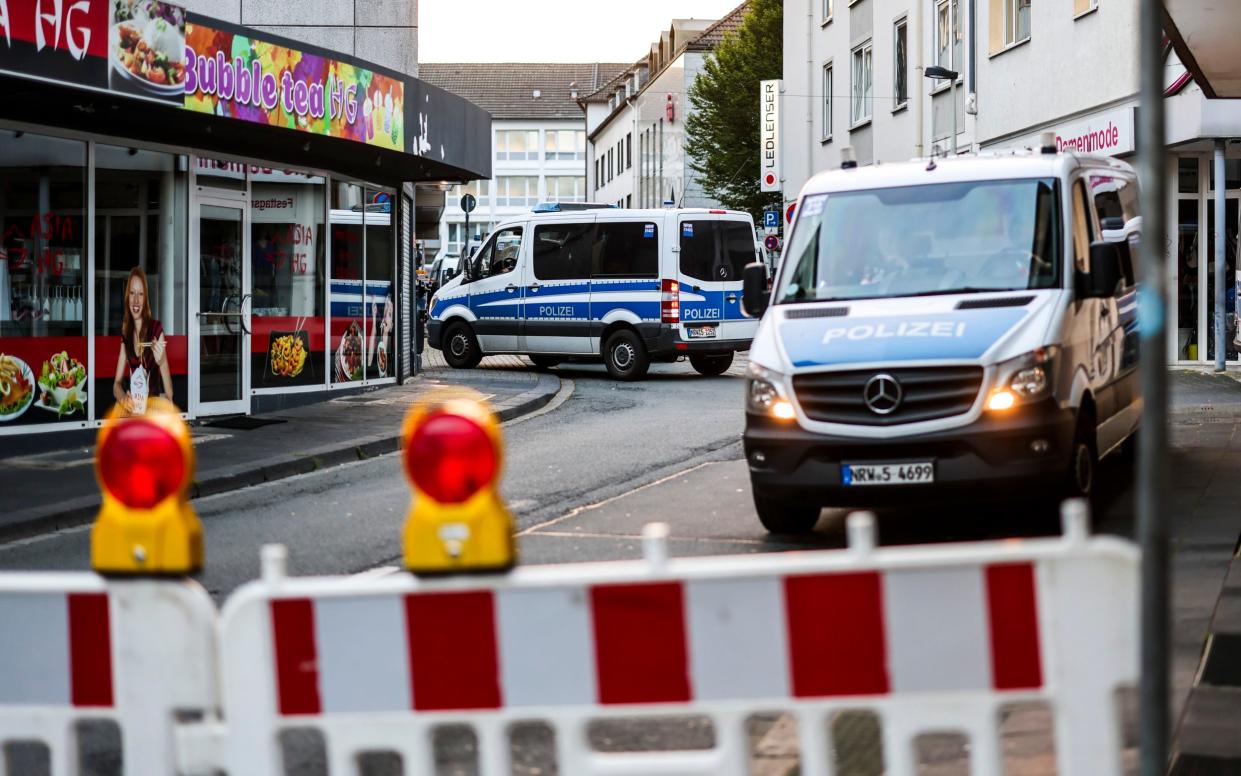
166	539
473	536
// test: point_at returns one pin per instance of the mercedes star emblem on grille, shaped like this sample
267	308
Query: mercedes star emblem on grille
882	394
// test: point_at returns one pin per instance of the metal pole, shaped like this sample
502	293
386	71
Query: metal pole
1153	716
954	115
1221	347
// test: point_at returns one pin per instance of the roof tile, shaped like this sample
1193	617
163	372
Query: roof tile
506	90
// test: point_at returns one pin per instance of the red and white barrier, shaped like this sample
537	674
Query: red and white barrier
931	638
77	647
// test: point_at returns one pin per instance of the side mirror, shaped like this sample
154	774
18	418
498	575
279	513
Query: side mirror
754	295
1104	272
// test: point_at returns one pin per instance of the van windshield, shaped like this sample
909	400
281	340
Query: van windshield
939	238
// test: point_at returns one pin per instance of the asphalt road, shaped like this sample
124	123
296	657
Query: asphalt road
581	477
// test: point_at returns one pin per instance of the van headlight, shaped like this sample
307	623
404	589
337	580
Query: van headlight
1024	379
764	395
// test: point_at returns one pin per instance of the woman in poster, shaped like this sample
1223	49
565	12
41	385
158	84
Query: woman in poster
377	353
143	345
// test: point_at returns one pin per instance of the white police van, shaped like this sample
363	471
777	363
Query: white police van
630	286
945	328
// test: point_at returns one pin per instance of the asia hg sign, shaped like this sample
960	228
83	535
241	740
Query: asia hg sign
769	136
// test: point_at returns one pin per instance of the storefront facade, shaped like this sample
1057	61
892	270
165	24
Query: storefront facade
264	187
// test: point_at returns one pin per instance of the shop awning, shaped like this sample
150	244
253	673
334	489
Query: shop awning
1204	33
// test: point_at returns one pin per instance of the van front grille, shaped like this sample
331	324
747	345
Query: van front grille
925	393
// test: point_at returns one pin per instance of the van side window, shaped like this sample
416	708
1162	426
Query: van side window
1083	230
1116	202
563	251
716	250
500	254
627	249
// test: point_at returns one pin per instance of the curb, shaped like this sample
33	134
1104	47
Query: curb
81	511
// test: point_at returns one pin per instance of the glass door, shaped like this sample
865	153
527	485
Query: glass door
1230	286
222	340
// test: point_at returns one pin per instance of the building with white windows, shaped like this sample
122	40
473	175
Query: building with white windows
854	76
635	124
538	140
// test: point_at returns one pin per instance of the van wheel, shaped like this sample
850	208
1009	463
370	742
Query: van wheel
1084	461
461	349
625	356
711	364
543	362
783	517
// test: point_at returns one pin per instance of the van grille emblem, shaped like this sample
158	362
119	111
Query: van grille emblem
882	394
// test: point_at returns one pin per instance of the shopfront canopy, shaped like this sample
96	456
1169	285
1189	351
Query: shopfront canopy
1204	33
225	90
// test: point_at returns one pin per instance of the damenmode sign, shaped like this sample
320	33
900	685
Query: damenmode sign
769	170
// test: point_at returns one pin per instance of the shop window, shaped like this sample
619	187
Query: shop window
287	273
626	250
220	173
141	209
1187	175
346	337
1232	173
362	294
1187	288
1230	291
43	285
380	301
563	251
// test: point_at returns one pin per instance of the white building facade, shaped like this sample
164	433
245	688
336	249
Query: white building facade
538	141
636	123
854	75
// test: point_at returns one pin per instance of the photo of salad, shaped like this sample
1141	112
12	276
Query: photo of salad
349	354
16	387
63	383
148	45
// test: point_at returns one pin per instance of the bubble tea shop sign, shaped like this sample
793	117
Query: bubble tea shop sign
245	78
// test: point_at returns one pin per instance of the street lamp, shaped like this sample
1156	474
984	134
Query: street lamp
938	73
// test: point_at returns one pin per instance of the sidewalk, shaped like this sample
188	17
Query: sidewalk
45	490
1205	436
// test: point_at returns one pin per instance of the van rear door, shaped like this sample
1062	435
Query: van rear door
714	250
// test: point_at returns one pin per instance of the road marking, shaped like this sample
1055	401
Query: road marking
636	537
578	510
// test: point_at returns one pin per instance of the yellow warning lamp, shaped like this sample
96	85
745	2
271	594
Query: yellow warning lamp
453	456
145	465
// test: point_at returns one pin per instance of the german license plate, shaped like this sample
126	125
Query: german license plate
701	332
918	473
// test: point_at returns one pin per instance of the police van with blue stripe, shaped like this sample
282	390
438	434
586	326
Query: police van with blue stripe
627	286
945	328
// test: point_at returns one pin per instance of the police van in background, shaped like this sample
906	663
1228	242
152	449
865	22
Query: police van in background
629	286
945	328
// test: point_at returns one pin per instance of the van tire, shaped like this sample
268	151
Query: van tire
783	517
711	364
461	349
625	356
1081	480
543	362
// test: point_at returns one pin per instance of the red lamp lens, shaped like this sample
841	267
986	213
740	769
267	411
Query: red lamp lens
451	458
141	464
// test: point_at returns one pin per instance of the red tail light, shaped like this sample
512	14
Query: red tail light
670	302
141	464
451	458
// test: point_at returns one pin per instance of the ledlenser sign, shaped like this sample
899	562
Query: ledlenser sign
769	136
